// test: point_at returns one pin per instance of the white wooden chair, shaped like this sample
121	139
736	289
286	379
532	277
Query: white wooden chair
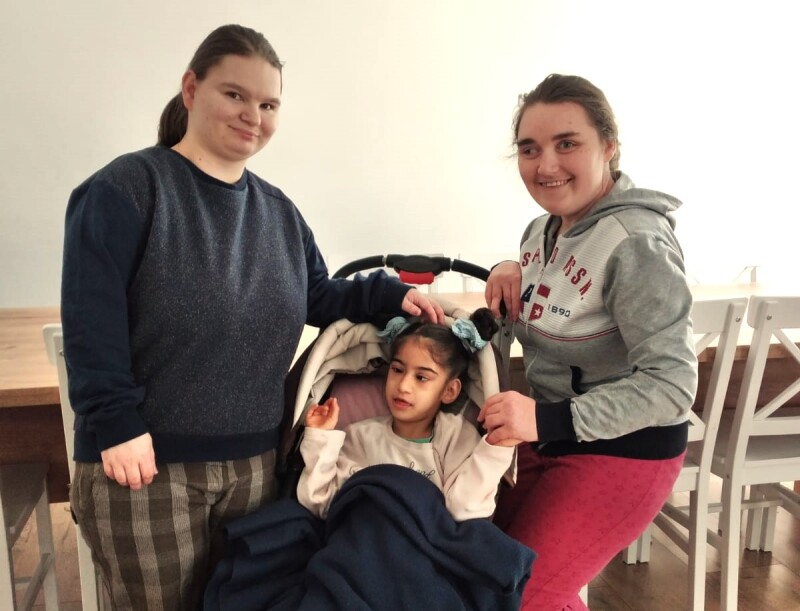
23	490
91	589
762	448
713	320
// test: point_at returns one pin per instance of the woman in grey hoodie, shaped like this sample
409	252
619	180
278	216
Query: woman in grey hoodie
601	307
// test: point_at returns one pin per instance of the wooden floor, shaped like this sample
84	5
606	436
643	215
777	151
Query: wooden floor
768	581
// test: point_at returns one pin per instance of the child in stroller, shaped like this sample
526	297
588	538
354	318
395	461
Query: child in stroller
427	368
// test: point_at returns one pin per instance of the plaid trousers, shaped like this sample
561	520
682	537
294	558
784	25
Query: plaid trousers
156	547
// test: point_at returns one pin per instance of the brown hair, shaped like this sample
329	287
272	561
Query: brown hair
225	40
557	88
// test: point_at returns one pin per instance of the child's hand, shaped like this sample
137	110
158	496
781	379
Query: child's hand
323	416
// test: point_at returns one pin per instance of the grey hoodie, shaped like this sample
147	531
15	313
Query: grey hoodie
605	328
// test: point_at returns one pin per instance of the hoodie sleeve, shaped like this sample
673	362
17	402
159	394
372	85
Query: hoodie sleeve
648	296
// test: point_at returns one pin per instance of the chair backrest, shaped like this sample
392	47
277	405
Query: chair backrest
771	318
54	344
92	598
715	320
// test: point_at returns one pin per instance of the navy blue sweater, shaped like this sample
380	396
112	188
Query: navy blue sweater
183	301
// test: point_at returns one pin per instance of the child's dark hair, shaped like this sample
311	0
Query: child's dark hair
445	347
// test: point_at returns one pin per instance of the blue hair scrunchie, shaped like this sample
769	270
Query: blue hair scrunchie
393	328
463	329
467	332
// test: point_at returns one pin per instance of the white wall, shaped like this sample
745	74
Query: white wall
396	116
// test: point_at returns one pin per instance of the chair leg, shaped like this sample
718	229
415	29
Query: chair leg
44	529
44	577
730	524
645	542
768	529
698	534
7	592
639	550
760	531
755	520
631	553
91	595
771	517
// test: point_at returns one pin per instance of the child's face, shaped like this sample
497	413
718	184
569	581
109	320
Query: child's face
415	388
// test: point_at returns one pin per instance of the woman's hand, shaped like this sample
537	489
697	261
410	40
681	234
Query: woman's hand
509	418
323	416
417	304
504	285
132	463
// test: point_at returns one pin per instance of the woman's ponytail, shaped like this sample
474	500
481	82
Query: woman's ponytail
173	123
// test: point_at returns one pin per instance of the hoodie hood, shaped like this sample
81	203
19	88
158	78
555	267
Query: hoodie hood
626	195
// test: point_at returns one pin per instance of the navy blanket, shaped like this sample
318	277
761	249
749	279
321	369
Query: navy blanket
389	543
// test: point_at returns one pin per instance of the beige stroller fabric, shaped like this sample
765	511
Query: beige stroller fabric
347	347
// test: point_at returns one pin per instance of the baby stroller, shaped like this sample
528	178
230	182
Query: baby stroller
349	361
388	541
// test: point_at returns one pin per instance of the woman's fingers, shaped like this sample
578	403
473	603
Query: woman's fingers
509	415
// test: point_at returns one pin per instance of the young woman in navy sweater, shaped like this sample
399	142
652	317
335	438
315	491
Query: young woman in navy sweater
187	281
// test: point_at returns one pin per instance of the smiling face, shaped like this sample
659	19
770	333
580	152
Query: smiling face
562	159
416	386
233	113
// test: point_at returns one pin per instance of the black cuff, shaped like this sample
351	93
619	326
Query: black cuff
554	421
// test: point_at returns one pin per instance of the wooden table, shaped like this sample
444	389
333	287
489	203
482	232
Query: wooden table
30	408
30	411
30	414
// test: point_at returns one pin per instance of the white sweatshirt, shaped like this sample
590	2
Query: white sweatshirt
461	464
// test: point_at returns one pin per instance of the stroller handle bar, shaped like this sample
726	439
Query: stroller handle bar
418	269
422	269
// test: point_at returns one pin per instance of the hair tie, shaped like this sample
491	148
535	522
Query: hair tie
467	332
393	328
